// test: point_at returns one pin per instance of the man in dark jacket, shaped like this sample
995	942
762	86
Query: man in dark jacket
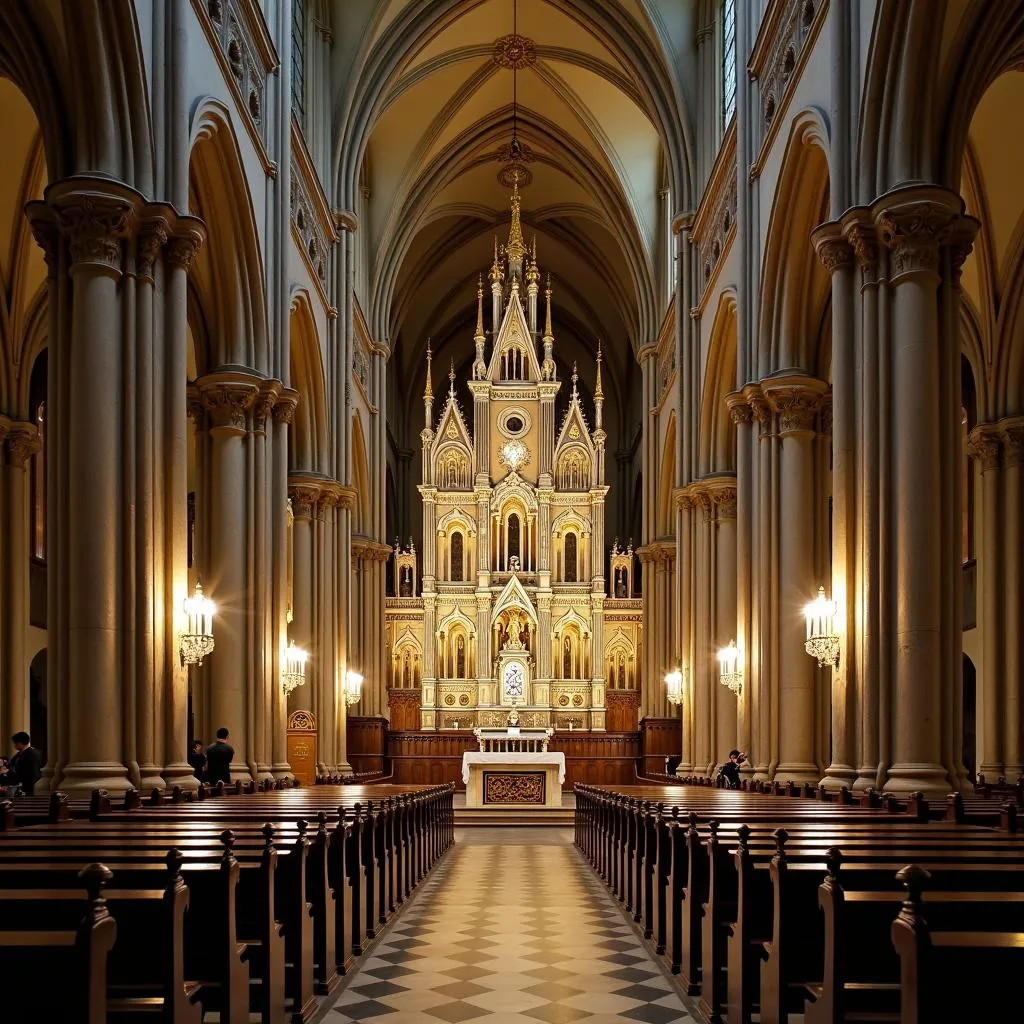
730	771
197	759
26	766
219	756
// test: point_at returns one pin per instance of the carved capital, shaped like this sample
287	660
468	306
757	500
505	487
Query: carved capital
96	225
22	441
759	407
228	396
983	444
914	224
265	401
739	407
186	242
347	498
153	237
724	498
796	400
5	425
304	498
46	233
834	251
960	239
1013	444
863	240
285	406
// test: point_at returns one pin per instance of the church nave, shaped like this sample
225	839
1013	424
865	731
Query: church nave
512	926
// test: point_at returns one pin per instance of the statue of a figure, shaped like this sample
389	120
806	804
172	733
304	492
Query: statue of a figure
513	718
620	584
405	586
514	633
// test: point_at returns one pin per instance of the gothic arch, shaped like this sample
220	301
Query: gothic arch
228	273
717	431
795	287
360	478
666	483
309	434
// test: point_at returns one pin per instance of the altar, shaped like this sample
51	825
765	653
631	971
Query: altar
513	767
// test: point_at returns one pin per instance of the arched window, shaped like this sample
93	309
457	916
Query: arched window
728	61
513	536
457	574
571	573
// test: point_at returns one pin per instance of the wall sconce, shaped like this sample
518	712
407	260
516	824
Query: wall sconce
674	687
822	640
294	674
730	674
197	640
353	687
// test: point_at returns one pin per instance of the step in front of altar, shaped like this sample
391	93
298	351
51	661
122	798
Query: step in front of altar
520	815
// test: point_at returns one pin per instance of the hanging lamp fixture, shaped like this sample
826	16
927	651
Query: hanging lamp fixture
514	52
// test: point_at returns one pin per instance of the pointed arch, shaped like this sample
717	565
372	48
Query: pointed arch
665	526
717	430
229	271
794	284
309	435
360	478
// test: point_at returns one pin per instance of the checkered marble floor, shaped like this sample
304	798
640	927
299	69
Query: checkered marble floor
512	926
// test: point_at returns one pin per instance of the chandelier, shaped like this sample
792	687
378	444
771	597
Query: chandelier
674	687
730	674
294	674
353	687
197	640
822	640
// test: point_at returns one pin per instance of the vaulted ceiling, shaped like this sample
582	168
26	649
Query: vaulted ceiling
429	106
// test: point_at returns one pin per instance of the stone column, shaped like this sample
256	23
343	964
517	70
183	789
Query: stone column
304	493
228	396
171	462
836	255
274	702
795	400
21	441
742	415
984	446
95	217
914	225
723	498
1013	598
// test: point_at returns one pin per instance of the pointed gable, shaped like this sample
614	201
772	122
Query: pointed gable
575	454
513	596
452	452
514	357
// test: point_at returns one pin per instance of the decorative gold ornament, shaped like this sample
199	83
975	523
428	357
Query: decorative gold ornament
514	454
514	52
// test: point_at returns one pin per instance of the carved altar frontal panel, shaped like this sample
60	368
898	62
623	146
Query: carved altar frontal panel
515	787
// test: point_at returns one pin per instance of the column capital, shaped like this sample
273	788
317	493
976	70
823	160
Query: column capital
833	249
347	497
796	399
266	399
96	216
22	441
759	407
285	405
722	492
153	234
648	351
1012	434
984	444
739	407
304	494
915	222
184	245
46	233
863	238
228	395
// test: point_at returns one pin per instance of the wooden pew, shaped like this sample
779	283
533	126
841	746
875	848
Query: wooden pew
76	953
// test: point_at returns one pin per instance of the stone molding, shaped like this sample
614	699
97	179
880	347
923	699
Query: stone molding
369	550
740	410
659	551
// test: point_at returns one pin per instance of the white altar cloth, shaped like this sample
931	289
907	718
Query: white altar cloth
472	757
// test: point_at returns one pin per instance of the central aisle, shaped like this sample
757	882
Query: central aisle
512	926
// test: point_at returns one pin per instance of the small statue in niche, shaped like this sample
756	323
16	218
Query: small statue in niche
514	565
405	584
620	583
513	718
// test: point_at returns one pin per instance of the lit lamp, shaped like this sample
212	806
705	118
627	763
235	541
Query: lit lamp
822	640
353	687
729	673
197	640
674	687
294	674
